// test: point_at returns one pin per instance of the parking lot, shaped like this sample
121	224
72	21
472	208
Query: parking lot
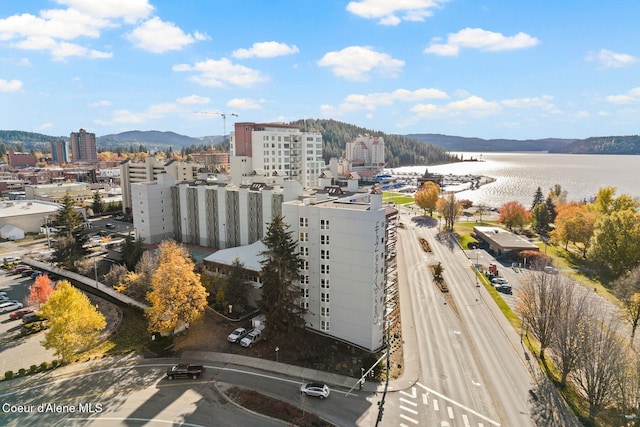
18	352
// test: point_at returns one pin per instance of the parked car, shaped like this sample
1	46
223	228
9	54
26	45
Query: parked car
9	259
3	294
499	281
237	335
252	337
26	273
31	317
19	269
185	371
315	390
119	217
36	273
19	314
8	306
4	298
505	289
110	226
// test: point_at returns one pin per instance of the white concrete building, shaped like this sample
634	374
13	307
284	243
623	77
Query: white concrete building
152	209
28	215
275	150
365	151
349	283
148	171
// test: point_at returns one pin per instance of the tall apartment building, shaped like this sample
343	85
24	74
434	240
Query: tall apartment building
268	149
348	276
366	151
59	151
83	147
214	161
149	170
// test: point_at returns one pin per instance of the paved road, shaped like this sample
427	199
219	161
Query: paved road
471	372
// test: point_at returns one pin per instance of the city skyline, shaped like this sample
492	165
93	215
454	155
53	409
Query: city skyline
490	70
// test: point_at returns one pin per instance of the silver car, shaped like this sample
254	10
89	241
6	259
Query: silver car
237	335
8	306
315	390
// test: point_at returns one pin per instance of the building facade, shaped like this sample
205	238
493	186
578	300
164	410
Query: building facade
348	275
274	149
59	151
213	161
21	160
365	151
83	147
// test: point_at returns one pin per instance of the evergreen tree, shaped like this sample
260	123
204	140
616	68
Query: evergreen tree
236	283
540	218
131	252
98	203
67	218
280	280
538	198
551	207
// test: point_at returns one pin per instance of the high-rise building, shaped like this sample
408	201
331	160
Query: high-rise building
83	147
59	151
275	149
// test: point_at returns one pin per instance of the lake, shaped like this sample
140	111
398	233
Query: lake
518	175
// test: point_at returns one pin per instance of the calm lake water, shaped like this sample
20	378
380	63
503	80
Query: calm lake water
518	175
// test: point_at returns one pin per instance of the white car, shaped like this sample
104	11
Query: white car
8	306
237	335
499	281
252	337
315	389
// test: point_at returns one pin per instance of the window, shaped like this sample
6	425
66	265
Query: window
303	237
324	254
324	283
304	251
304	222
304	305
324	224
324	325
324	297
304	292
324	269
324	240
324	311
304	280
304	265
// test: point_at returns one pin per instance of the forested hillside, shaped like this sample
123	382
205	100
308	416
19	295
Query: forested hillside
603	145
400	150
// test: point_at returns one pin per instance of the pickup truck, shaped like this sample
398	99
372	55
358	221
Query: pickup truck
185	371
252	337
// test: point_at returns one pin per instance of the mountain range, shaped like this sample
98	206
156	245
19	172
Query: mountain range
156	140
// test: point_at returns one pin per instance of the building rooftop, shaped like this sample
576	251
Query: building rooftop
27	207
504	238
248	255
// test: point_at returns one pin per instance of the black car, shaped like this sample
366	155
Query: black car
185	371
110	226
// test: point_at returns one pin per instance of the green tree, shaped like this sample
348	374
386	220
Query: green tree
177	297
74	323
540	218
67	218
574	223
98	204
131	252
67	251
236	283
615	241
538	198
280	280
427	197
607	203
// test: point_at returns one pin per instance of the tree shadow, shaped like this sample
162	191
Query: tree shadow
424	221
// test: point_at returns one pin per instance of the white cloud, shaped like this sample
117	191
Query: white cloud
158	36
387	11
477	38
472	105
608	59
355	63
10	85
61	50
126	116
44	126
265	50
217	73
539	101
102	103
129	10
327	110
371	101
246	103
631	96
193	99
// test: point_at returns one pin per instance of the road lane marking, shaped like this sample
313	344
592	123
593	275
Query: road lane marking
409	402
435	405
412	395
155	420
460	405
450	411
411	420
413	411
466	420
425	398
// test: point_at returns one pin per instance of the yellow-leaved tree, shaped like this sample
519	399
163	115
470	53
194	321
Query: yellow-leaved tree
177	297
74	323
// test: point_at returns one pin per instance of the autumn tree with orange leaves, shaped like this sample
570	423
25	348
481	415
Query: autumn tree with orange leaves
40	291
514	215
427	197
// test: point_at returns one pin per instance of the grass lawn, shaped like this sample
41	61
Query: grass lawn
396	198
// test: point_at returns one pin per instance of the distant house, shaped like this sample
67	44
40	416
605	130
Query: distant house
11	232
502	241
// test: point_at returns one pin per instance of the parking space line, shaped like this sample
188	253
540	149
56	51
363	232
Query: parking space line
408	402
411	420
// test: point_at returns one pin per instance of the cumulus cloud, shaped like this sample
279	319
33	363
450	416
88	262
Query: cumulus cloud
477	38
61	50
373	100
10	85
158	36
609	59
103	103
246	103
193	99
393	13
265	50
472	106
129	10
218	73
630	97
355	63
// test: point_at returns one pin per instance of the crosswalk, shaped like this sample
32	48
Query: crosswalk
415	406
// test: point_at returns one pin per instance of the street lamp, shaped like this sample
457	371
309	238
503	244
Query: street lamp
95	269
277	350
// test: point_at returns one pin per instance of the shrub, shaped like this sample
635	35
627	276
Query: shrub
22	372
55	364
44	366
33	369
8	375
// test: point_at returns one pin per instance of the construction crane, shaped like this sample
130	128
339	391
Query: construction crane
224	120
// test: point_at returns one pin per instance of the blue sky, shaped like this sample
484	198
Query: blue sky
491	69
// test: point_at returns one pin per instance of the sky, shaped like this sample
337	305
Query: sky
524	69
